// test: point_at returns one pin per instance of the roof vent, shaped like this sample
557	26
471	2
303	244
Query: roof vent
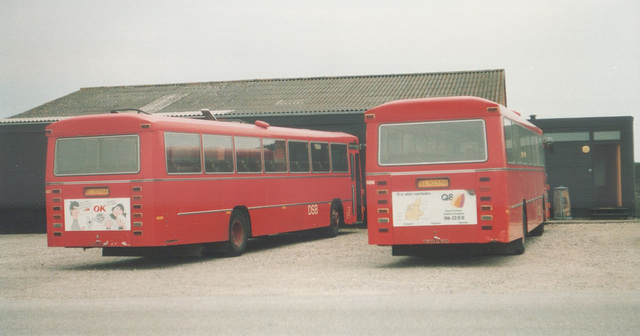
262	124
208	115
130	110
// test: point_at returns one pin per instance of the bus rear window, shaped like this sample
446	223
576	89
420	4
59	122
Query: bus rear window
432	142
118	154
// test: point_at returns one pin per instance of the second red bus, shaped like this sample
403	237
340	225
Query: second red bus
449	171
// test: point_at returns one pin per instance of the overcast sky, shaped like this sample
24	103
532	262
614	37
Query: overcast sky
575	58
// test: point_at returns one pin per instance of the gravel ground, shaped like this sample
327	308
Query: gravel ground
570	256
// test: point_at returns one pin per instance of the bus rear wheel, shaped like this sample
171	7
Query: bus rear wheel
238	234
518	246
539	230
334	221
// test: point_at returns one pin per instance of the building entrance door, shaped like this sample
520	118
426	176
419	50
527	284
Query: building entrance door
607	182
571	165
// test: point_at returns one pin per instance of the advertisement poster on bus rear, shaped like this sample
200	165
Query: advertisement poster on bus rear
437	207
97	214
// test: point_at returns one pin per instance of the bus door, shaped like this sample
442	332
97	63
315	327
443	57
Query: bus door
356	186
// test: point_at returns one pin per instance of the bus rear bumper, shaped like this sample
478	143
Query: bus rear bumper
446	250
192	250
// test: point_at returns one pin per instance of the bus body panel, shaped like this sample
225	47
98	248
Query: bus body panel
499	190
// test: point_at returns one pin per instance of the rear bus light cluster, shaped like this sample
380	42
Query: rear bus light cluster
486	208
136	217
57	212
383	205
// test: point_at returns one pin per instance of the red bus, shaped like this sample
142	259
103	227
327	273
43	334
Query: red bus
448	171
138	184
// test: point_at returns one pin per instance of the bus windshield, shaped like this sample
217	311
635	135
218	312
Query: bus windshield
432	142
97	155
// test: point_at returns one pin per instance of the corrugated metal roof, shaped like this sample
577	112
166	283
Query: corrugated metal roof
43	120
48	120
278	96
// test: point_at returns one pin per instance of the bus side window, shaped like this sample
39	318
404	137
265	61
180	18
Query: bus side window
299	156
275	155
182	153
218	153
320	157
248	155
339	158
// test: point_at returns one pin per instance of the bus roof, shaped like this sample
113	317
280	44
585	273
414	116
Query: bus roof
128	123
434	109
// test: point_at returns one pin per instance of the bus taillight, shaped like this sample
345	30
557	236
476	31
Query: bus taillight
136	197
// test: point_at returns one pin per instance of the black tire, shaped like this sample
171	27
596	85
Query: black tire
517	246
334	221
238	234
538	231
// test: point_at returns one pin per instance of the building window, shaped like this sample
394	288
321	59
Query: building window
568	136
610	135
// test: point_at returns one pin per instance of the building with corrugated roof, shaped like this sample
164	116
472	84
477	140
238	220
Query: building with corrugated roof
274	97
322	103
